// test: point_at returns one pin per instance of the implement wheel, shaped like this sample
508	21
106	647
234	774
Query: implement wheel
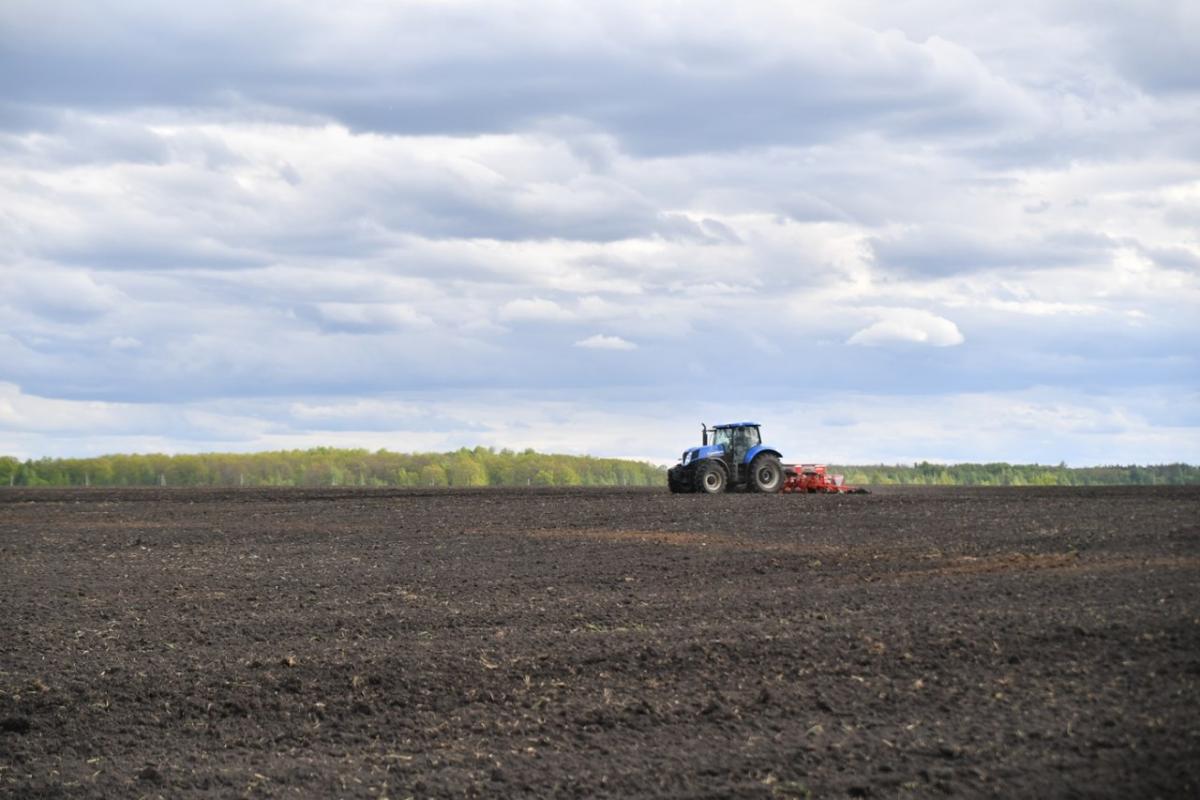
766	474
711	478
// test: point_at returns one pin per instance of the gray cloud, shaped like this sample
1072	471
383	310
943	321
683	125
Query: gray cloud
941	251
685	90
1155	43
1175	258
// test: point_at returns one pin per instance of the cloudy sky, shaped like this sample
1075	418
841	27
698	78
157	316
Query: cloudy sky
888	231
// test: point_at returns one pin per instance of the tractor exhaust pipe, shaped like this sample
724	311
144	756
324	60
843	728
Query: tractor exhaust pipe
703	435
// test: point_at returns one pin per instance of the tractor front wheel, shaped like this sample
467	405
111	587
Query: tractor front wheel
766	474
710	478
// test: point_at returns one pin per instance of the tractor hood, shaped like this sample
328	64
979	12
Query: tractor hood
697	453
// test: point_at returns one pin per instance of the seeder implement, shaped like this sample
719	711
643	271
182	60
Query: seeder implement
814	478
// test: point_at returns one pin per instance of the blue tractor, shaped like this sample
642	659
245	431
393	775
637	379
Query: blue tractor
734	458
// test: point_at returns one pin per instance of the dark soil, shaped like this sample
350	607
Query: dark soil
1019	642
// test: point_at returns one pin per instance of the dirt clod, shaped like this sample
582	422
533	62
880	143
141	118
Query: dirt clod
15	725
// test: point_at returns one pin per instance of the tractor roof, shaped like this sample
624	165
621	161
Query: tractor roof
736	425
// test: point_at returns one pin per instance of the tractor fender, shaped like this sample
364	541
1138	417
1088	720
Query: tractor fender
759	449
714	458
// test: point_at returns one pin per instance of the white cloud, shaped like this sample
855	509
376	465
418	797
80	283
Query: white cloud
534	308
909	325
57	294
370	316
601	341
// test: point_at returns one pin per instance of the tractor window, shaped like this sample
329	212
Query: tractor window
741	439
745	438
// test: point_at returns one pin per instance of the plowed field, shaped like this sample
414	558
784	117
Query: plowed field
1012	642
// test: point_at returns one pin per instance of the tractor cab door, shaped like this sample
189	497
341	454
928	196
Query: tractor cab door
741	440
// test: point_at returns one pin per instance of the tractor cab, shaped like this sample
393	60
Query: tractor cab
737	438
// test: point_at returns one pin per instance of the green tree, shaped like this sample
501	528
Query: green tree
8	470
466	471
433	475
564	475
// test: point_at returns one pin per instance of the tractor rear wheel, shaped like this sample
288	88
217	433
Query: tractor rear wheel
710	478
766	474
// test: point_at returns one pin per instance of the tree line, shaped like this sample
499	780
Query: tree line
325	466
1002	474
